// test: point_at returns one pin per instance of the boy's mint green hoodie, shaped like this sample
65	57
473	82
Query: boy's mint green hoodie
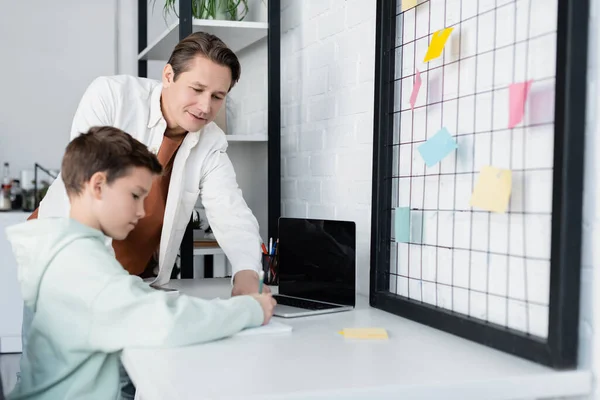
87	309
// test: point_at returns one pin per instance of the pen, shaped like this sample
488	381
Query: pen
270	245
261	277
264	248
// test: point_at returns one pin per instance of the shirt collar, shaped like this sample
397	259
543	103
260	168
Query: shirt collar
155	111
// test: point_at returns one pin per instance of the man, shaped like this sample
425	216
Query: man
173	118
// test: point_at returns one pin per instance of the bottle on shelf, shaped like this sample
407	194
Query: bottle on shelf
6	174
5	203
16	195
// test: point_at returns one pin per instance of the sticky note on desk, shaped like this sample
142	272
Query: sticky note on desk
408	4
364	333
517	94
438	41
402	224
492	190
437	147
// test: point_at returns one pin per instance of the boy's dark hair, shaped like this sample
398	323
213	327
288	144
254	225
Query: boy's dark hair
104	149
208	46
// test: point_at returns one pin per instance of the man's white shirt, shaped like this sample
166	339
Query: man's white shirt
201	168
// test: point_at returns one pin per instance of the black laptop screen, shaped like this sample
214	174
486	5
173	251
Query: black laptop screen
317	259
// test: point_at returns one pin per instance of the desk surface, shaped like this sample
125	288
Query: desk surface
315	362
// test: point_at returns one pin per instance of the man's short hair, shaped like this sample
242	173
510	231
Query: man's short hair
104	149
208	46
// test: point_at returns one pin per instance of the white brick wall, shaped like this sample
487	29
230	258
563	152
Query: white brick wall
328	51
589	350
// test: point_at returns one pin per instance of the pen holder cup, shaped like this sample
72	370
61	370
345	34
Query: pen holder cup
269	265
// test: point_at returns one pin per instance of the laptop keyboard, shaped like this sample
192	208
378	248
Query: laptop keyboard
302	303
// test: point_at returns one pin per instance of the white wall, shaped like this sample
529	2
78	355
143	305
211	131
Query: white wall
589	327
49	58
327	118
127	34
328	53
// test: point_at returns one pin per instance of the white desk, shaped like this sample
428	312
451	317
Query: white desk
314	362
11	302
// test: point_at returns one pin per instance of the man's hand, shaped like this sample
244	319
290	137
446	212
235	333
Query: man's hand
246	282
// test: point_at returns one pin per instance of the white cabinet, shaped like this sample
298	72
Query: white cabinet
11	302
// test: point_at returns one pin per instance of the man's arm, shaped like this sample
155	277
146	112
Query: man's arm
97	107
232	221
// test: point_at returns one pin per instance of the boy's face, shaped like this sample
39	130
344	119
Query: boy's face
120	205
195	98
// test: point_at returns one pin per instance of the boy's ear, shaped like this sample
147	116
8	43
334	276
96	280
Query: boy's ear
97	183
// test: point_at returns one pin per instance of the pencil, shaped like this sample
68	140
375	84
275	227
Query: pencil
261	277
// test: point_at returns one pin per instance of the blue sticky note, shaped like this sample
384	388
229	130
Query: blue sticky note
437	147
402	224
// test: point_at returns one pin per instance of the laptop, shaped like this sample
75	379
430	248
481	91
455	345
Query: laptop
317	267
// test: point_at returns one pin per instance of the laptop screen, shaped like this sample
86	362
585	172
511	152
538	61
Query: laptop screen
317	259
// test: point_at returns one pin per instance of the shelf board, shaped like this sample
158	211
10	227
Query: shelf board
246	138
208	251
237	35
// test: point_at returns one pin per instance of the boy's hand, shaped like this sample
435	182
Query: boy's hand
267	302
246	282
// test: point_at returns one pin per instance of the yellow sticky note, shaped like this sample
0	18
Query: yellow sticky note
492	190
364	333
438	41
408	4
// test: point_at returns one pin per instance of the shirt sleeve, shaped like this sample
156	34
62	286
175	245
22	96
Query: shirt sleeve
97	107
122	311
128	313
231	220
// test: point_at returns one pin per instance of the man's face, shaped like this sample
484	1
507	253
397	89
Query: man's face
121	204
195	98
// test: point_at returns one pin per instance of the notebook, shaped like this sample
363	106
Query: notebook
273	327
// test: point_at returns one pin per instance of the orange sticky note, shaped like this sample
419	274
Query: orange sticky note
492	190
517	93
415	91
408	4
438	41
364	333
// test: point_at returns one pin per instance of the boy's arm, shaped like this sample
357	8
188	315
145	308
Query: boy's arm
129	313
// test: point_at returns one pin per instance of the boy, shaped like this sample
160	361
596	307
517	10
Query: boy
87	308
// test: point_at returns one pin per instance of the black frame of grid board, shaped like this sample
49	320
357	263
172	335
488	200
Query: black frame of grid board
273	122
560	348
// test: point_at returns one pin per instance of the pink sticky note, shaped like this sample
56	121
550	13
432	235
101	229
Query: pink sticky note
517	96
415	91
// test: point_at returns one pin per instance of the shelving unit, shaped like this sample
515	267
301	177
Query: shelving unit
247	138
238	35
208	251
